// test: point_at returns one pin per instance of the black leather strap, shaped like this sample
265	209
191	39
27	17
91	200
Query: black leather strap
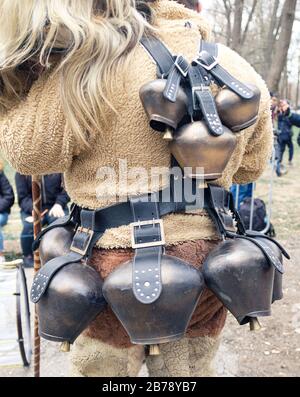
160	54
82	245
144	214
170	67
45	275
257	234
60	222
266	250
203	99
211	48
146	271
222	210
217	201
178	71
207	58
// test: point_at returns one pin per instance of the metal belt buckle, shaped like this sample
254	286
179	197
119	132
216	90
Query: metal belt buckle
227	220
201	88
181	70
89	233
207	67
154	222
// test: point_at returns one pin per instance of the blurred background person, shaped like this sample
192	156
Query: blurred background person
7	199
279	167
193	4
274	108
286	120
54	205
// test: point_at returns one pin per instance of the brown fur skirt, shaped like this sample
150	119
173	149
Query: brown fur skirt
209	316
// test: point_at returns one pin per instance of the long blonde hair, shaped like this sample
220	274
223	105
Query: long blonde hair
91	39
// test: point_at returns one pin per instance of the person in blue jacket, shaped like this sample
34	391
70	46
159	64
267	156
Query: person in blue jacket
54	205
286	120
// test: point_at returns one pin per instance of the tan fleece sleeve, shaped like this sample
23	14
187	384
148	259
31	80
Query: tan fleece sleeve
259	139
33	134
258	151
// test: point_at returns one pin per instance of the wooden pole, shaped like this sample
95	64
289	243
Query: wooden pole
37	226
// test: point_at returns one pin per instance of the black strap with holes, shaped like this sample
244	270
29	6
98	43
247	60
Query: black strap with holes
173	68
204	100
149	243
208	60
144	213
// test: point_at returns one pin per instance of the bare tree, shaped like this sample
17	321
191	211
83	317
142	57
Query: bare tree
228	11
261	31
250	18
237	24
282	44
272	33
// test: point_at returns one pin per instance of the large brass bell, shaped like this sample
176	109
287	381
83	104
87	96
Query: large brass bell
242	278
161	112
167	318
203	155
277	287
56	242
74	296
73	299
235	112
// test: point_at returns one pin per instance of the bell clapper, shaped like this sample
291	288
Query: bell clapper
168	136
154	350
65	347
254	324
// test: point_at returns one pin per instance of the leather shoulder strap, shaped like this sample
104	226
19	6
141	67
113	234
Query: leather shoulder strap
211	48
159	53
207	58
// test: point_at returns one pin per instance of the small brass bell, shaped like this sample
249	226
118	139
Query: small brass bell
154	350
65	347
168	136
254	324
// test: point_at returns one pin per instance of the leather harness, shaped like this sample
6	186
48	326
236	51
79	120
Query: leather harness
144	213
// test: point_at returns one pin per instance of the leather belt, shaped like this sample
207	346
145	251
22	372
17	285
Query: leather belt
144	214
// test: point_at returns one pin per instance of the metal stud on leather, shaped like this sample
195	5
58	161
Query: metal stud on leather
147	240
204	100
269	253
45	275
146	275
179	70
211	64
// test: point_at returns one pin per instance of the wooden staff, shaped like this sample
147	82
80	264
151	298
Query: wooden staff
37	227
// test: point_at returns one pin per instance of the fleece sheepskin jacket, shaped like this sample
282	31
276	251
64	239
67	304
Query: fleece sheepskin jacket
35	140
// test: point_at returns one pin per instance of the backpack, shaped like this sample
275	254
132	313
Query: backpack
260	217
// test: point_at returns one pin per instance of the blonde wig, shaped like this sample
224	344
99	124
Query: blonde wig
87	40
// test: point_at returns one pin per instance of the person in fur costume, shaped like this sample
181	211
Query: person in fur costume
69	102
